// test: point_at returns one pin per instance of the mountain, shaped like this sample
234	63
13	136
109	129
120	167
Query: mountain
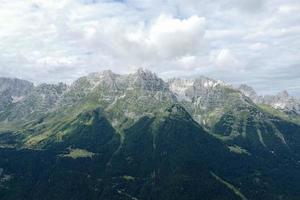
12	91
282	101
39	99
205	98
232	117
136	136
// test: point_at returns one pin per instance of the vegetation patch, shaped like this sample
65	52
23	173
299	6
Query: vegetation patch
37	139
78	153
238	150
128	178
279	113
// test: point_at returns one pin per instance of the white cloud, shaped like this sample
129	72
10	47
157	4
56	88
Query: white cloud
164	39
171	37
258	46
226	59
55	61
288	9
58	40
187	62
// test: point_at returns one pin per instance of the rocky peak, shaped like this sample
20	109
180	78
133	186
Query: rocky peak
16	87
13	90
102	75
248	91
145	73
46	88
187	89
282	100
147	80
99	77
280	97
180	87
205	82
283	95
88	83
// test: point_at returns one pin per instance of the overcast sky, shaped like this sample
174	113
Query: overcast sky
239	41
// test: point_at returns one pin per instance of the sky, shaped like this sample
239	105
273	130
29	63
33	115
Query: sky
256	42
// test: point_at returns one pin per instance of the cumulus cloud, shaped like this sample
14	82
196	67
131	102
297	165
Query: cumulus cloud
166	37
245	5
60	40
172	37
257	46
226	59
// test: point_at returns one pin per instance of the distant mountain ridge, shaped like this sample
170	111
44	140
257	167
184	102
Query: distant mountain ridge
22	97
230	114
13	90
136	136
282	100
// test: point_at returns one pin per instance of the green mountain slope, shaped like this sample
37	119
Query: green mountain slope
149	163
110	136
166	156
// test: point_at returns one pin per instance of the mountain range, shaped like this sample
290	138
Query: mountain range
137	136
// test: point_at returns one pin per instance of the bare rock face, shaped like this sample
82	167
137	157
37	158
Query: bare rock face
282	101
19	98
13	90
146	80
136	136
249	92
189	89
206	98
143	91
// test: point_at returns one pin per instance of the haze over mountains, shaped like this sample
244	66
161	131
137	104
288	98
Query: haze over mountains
136	136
